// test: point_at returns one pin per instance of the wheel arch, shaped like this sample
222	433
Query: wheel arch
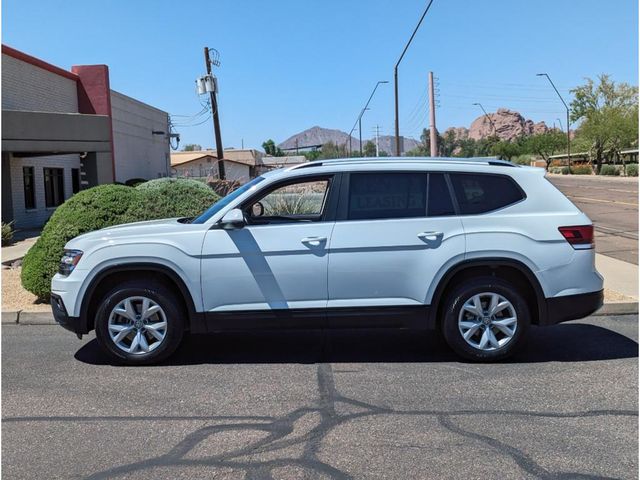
506	268
110	275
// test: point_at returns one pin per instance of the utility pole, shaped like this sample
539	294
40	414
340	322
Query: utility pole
377	140
216	117
432	117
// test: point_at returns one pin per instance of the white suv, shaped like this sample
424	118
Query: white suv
478	248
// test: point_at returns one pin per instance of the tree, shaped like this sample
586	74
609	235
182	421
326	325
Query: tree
331	150
609	115
192	147
546	144
506	150
369	149
270	148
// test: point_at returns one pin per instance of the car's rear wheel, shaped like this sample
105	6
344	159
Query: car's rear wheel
485	319
139	324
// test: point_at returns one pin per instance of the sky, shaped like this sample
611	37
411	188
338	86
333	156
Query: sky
290	65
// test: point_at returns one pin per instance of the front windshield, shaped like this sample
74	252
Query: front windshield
223	202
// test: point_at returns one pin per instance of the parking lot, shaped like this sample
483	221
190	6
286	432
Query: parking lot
341	405
612	205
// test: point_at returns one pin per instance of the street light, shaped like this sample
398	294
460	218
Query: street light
359	119
488	117
395	76
568	123
560	122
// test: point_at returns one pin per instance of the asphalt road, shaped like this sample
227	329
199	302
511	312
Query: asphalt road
612	205
337	405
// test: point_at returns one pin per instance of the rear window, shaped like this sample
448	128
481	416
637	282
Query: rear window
484	193
387	195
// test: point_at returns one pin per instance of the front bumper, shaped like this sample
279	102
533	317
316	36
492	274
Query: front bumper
73	324
573	307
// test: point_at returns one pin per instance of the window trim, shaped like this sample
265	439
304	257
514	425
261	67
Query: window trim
329	213
452	192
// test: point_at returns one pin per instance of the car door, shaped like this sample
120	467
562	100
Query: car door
278	261
389	243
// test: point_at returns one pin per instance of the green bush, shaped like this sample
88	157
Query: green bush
169	197
565	171
104	206
632	170
524	159
557	170
582	170
609	170
7	233
87	210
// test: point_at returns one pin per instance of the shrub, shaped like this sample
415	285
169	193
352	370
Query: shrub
87	210
104	206
582	170
524	159
557	170
223	187
169	197
7	233
632	170
565	171
609	170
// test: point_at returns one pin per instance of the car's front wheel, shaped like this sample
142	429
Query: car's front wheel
138	324
485	319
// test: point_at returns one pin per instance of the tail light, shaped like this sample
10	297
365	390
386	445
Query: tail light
580	237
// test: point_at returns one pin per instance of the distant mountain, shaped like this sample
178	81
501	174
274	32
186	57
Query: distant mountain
318	136
505	124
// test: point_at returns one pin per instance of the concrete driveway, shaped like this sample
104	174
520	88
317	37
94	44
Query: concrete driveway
341	405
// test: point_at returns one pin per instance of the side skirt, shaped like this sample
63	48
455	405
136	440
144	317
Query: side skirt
407	317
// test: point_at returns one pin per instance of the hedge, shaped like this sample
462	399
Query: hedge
632	170
104	206
609	170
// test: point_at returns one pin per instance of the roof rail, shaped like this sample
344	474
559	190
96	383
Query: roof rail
355	161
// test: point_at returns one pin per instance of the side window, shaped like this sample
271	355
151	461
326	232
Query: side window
484	193
439	203
387	195
303	201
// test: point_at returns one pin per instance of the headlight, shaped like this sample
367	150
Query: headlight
69	261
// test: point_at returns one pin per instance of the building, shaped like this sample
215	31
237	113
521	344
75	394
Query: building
204	164
63	131
271	163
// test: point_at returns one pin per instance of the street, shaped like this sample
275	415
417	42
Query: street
612	205
344	404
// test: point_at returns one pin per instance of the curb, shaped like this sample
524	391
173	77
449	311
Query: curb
627	308
45	318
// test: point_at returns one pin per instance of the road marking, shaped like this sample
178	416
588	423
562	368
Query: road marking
602	201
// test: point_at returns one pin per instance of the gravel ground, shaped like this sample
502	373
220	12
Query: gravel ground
14	297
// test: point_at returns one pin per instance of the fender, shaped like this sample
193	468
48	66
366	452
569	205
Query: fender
488	262
195	319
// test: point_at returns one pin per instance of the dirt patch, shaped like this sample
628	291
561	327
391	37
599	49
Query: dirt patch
614	297
14	297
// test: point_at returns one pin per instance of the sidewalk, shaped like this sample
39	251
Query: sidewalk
619	276
17	250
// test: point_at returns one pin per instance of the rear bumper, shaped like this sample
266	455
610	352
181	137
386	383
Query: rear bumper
73	324
573	307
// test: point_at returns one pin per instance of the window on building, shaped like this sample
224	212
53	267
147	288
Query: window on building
484	193
29	188
440	202
53	186
75	180
387	195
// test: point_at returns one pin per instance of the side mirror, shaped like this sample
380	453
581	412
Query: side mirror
232	219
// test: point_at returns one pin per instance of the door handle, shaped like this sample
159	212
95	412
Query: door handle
430	235
314	240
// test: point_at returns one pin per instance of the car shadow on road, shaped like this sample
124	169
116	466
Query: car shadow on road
574	342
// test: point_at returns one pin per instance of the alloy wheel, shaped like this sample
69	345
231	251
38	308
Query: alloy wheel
137	325
487	321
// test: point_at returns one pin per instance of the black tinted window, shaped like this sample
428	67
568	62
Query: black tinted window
483	193
387	195
440	202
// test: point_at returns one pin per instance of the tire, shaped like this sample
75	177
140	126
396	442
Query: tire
123	306
488	335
